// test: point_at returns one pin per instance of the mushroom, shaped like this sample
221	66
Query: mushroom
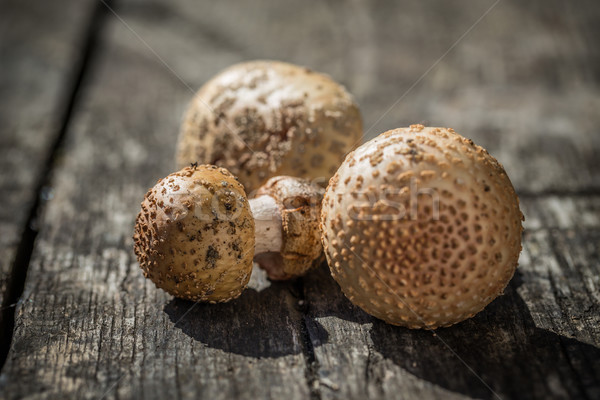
421	227
195	234
289	244
262	119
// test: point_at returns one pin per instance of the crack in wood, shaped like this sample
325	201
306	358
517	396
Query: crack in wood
20	265
312	365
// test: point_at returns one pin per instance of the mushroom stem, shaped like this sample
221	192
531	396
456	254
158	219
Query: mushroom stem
286	218
267	224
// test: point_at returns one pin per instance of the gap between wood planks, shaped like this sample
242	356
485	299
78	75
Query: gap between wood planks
18	273
312	365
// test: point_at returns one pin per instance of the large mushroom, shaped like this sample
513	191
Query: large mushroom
262	119
421	227
197	234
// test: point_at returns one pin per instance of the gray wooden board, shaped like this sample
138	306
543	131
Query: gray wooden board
541	339
90	321
523	83
38	53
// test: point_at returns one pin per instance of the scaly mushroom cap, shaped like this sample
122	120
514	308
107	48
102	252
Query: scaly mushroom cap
265	118
421	227
299	201
194	237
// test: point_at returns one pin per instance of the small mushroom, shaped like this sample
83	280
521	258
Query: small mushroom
262	119
421	227
286	213
195	234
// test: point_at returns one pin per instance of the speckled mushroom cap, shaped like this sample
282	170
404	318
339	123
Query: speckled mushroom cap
194	236
266	118
421	227
299	201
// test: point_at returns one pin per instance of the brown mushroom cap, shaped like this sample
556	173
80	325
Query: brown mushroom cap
265	118
299	202
391	251
194	237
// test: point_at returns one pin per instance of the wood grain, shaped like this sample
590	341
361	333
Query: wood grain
541	339
523	82
90	322
39	54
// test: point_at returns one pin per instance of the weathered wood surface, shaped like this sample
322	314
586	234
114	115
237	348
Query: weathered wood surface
539	340
39	54
524	82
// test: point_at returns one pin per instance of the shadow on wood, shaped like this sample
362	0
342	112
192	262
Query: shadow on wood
267	323
501	344
503	347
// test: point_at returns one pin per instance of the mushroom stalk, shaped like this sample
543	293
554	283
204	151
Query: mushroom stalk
286	218
267	224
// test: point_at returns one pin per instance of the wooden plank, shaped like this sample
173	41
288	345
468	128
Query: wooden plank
90	324
527	91
39	54
523	83
541	339
561	212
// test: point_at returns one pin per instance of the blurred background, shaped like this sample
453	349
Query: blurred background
513	76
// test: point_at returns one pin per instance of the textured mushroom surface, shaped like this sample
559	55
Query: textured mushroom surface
299	203
421	227
265	118
194	236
